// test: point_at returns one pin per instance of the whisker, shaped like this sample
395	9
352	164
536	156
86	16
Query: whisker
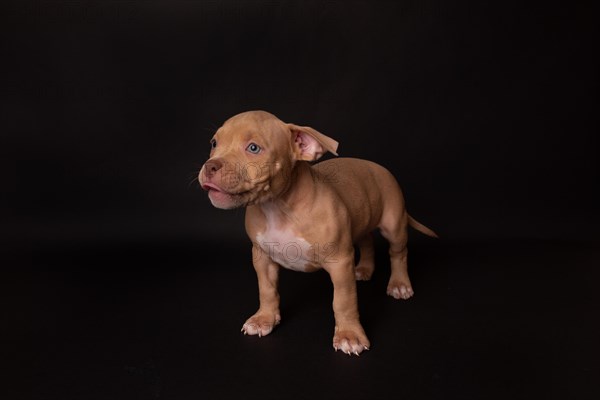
194	179
193	182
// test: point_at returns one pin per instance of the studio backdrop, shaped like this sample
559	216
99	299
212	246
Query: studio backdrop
483	111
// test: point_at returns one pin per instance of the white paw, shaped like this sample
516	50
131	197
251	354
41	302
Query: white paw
400	292
350	342
260	324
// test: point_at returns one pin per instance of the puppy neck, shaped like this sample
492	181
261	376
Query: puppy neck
297	194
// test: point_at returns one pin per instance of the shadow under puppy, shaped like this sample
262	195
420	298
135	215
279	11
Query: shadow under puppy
305	217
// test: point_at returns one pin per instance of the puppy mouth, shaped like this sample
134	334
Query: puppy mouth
241	195
212	187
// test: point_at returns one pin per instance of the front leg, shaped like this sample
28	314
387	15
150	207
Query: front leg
349	335
267	316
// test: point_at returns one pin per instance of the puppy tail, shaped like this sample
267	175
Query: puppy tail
421	228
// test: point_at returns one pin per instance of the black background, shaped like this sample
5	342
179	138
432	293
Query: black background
124	282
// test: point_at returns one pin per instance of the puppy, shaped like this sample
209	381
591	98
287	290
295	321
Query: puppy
305	217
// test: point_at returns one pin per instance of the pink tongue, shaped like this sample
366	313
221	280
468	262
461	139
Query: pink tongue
208	188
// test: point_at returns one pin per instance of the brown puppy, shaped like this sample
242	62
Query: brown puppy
305	217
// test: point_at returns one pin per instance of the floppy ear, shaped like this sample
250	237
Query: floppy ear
309	144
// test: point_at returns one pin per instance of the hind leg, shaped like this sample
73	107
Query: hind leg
366	265
399	286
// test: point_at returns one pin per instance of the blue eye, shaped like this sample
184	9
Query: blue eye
253	148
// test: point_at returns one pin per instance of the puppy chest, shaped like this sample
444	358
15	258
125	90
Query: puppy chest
287	249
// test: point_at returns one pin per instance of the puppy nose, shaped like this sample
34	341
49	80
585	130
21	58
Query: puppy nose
211	167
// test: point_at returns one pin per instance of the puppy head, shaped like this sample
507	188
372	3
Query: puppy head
252	157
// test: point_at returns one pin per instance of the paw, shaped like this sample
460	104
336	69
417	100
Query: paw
261	324
400	291
362	273
350	341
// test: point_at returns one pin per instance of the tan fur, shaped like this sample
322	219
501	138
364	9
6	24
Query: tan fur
308	217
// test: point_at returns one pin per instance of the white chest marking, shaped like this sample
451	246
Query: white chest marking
285	248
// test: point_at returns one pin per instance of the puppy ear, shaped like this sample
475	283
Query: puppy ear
310	144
